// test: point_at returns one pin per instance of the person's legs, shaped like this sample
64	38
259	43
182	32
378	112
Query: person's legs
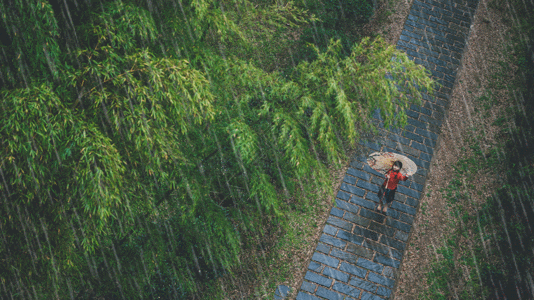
389	199
381	195
386	199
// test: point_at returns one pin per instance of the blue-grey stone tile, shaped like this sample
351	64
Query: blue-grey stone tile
345	267
332	241
364	263
412	202
367	296
358	173
338	275
387	261
346	206
308	287
403	207
350	237
316	267
361	202
389	272
336	212
382	291
368	186
330	295
352	189
330	230
306	296
401	235
416	186
345	289
327	260
342	195
381	280
318	279
399	225
356	219
363	284
349	179
323	248
339	223
344	256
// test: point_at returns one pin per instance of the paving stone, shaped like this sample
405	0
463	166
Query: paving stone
403	236
363	284
412	202
356	165
339	223
352	189
344	256
345	267
323	248
318	279
349	179
392	243
381	280
343	195
308	286
332	241
389	231
359	250
421	147
346	206
367	296
336	212
305	296
414	137
399	225
336	274
408	192
369	265
345	289
350	237
359	174
366	233
368	186
425	156
324	259
403	208
361	202
382	291
372	215
356	219
328	294
426	133
406	219
316	267
386	261
389	272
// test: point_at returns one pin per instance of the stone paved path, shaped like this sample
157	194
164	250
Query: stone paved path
361	250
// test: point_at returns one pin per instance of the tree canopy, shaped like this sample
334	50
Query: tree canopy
133	142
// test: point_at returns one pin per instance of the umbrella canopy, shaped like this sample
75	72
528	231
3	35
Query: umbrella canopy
383	161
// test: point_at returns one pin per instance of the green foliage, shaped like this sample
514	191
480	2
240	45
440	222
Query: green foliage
151	151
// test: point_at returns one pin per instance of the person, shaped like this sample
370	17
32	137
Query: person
393	176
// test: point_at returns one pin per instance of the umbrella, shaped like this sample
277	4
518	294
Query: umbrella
383	161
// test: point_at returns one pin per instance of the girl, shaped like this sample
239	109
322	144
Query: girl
393	176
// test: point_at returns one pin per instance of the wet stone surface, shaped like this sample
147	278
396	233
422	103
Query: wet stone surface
361	250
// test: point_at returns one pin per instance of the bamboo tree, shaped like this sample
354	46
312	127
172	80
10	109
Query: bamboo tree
131	161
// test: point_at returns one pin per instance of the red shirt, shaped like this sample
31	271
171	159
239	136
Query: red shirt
394	179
